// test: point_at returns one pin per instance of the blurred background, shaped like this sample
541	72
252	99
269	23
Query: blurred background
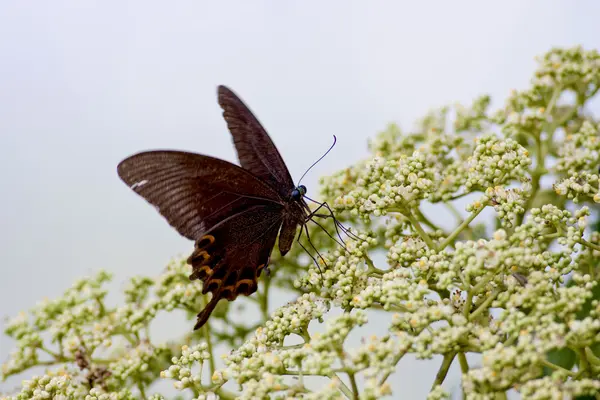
85	84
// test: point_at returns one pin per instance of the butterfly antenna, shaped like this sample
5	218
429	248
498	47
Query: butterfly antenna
315	163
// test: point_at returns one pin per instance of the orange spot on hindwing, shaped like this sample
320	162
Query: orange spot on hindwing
202	260
205	242
211	285
245	286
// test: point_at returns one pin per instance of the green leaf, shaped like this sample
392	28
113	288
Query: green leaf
564	357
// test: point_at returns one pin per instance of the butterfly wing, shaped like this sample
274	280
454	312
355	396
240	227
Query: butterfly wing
258	154
255	149
231	256
192	191
232	216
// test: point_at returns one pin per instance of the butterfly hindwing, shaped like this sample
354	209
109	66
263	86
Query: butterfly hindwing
229	258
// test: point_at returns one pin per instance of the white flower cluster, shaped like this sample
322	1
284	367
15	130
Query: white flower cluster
569	68
341	273
473	119
580	151
136	362
496	161
388	183
65	385
262	362
260	353
64	318
523	295
508	203
558	387
181	369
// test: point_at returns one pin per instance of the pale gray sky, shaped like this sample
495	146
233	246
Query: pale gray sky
85	84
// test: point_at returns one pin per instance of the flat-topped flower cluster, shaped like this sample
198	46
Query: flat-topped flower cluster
516	285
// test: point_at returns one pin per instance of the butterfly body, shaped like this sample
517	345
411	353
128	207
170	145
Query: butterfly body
233	214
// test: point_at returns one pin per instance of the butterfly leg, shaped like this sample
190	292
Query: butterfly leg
314	213
314	248
341	242
337	223
305	249
349	233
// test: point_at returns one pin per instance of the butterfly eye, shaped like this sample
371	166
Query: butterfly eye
298	192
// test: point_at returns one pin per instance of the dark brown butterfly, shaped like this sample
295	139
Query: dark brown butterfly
234	214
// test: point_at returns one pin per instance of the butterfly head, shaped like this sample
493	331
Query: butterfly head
298	192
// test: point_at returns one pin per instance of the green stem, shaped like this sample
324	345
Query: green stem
130	339
482	283
485	305
142	390
350	374
443	371
61	347
396	361
458	196
426	221
588	244
420	231
468	304
102	309
353	385
372	268
592	357
292	346
102	361
540	156
225	395
555	95
47	363
305	335
461	227
57	357
464	365
557	367
454	212
343	387
584	365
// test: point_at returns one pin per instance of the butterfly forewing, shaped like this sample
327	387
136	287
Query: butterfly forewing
255	149
193	192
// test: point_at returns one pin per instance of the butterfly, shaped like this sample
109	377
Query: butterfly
233	214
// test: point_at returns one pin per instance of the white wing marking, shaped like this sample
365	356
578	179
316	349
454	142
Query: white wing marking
139	184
